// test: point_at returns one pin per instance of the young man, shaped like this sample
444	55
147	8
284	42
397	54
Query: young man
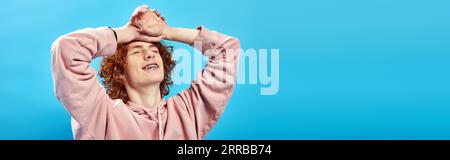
136	70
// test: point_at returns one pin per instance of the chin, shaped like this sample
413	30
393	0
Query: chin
153	80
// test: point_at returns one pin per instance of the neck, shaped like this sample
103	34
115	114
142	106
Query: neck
148	96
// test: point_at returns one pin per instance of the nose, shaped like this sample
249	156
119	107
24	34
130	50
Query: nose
149	55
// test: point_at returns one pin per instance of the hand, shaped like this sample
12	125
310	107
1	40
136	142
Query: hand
134	29
149	22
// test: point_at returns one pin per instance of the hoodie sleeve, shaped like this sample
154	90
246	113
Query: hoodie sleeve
209	93
75	82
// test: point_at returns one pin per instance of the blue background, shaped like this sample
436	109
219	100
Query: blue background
349	69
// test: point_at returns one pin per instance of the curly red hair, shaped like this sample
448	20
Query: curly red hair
113	67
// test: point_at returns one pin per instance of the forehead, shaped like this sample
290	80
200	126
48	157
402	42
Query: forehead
140	44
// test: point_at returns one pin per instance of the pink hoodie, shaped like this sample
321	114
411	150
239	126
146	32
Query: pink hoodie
188	115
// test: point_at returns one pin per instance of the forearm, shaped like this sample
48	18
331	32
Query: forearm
184	35
75	83
124	34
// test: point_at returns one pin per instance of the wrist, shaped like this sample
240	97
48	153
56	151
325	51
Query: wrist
124	34
168	33
115	34
119	34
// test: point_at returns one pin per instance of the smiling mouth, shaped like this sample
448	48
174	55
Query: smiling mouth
151	66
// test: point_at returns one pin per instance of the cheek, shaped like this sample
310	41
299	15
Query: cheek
131	66
160	59
162	64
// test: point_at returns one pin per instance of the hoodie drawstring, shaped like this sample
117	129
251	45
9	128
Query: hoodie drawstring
159	124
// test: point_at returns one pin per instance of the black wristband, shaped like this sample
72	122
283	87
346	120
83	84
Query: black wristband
115	34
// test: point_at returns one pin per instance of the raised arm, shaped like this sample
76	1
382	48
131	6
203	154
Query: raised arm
75	82
184	35
209	93
205	100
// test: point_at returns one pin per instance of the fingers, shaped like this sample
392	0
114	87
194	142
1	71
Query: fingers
137	13
140	10
148	23
158	14
161	17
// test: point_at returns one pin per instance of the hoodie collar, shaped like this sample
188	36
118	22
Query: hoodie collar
141	109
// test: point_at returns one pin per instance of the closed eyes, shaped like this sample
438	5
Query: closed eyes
139	51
